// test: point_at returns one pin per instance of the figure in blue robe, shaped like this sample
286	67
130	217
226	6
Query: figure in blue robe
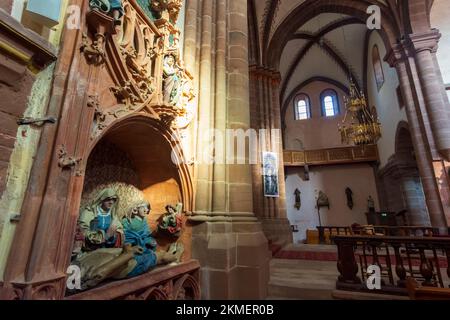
112	7
138	233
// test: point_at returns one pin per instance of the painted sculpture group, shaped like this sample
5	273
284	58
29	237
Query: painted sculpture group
114	245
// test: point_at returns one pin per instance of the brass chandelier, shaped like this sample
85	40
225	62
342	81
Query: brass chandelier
360	125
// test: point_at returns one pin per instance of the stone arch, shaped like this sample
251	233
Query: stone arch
134	134
309	9
404	147
418	16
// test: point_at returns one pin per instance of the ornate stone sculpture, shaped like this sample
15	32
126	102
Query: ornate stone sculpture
171	223
149	74
172	81
158	7
138	233
166	9
100	223
107	248
101	256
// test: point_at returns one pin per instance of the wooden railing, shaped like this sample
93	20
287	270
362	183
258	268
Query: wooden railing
331	156
326	232
422	258
407	231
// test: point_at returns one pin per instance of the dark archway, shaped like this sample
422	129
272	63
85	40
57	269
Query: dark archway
400	180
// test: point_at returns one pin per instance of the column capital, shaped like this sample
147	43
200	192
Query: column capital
396	55
276	78
262	71
427	41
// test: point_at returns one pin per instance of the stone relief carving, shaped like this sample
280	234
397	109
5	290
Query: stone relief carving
166	9
94	50
64	160
144	59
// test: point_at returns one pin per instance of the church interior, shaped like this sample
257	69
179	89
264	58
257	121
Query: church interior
224	150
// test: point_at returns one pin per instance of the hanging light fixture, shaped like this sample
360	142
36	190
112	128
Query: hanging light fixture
360	126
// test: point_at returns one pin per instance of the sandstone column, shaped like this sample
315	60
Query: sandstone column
227	238
265	115
425	45
399	59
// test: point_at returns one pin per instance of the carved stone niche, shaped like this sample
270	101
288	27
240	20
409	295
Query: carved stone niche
100	26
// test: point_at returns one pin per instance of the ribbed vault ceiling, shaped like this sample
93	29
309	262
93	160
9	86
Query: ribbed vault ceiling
329	45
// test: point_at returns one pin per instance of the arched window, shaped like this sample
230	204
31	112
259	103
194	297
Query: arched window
302	107
330	103
377	67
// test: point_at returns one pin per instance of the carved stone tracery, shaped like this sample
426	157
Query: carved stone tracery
134	52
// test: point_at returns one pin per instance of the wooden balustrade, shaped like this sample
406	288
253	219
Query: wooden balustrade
407	231
355	154
326	232
421	258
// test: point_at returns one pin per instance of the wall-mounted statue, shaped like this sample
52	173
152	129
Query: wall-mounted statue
158	7
171	223
111	7
298	200
322	200
102	255
100	223
166	9
172	81
349	194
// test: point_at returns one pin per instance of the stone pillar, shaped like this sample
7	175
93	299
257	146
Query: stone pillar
265	115
399	58
425	45
227	238
413	195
